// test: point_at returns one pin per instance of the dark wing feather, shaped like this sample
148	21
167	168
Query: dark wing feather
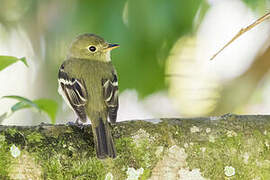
75	92
110	94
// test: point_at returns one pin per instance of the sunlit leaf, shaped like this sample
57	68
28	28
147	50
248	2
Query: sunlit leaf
6	61
49	106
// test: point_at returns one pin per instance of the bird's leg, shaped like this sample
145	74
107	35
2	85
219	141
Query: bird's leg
78	123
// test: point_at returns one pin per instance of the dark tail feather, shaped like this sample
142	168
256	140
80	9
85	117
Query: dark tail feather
104	143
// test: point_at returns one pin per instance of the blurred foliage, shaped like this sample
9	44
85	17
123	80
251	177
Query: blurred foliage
42	105
6	61
258	5
152	32
146	30
46	105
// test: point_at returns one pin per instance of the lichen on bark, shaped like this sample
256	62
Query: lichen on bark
230	146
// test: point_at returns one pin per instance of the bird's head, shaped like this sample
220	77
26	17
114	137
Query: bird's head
91	46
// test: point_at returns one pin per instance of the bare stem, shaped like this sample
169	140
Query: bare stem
242	31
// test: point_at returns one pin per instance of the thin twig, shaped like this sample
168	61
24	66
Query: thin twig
242	31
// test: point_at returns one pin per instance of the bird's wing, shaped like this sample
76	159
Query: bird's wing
74	92
110	94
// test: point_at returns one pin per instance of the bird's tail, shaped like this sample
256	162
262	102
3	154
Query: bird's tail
104	142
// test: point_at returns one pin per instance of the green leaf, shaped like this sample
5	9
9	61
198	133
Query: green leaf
46	105
18	106
6	61
49	106
23	59
24	102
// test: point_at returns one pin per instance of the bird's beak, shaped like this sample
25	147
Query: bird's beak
112	46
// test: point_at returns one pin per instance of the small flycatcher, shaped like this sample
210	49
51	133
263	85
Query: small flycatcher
88	83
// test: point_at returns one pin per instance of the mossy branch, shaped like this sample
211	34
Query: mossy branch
210	147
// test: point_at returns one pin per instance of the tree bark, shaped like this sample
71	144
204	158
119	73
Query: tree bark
224	147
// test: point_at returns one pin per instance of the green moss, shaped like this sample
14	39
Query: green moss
2	138
146	174
134	154
248	155
68	152
14	136
59	167
34	137
72	162
5	158
68	156
11	131
128	155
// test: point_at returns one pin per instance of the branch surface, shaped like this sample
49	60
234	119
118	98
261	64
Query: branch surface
220	147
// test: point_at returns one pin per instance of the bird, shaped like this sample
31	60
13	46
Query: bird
88	83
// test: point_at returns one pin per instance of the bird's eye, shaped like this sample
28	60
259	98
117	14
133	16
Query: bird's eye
92	48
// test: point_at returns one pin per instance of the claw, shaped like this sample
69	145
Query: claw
76	123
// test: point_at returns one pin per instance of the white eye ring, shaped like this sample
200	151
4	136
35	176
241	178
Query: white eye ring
92	48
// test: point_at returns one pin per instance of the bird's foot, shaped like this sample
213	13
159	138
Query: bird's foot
71	123
76	123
